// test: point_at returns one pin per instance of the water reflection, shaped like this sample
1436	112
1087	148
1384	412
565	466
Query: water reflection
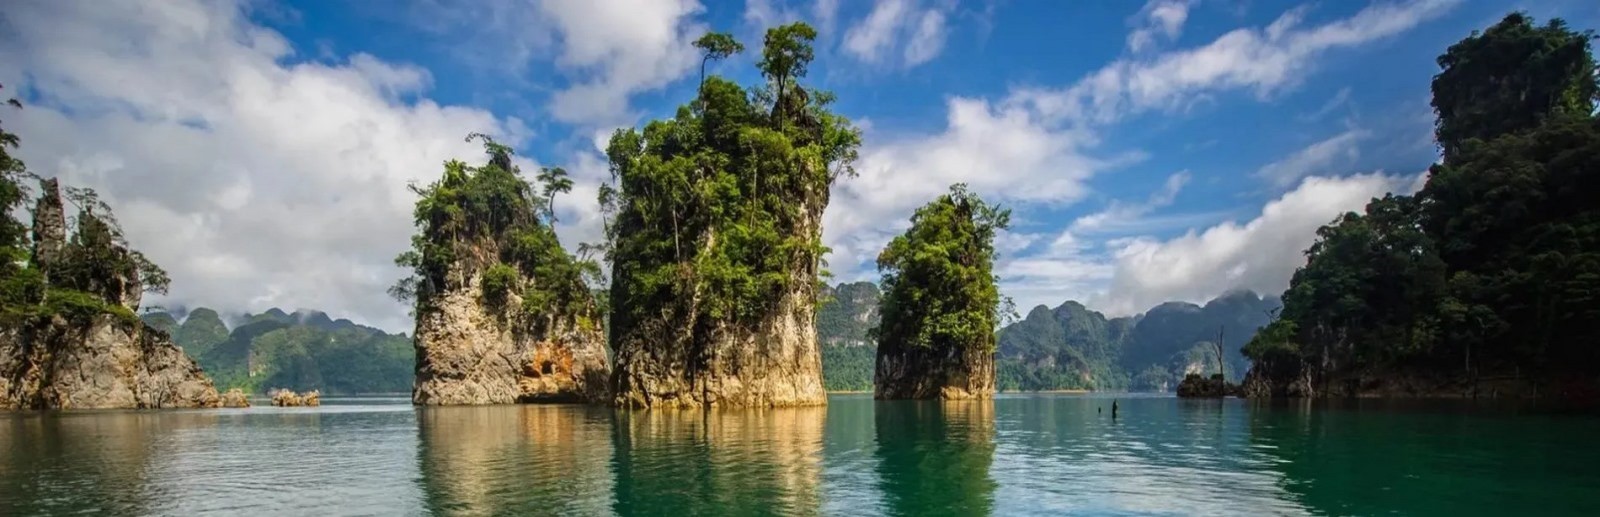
1436	457
934	456
734	461
511	460
42	463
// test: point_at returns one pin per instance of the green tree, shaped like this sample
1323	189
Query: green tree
1512	77
938	278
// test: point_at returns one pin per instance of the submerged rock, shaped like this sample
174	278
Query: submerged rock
102	362
235	398
288	398
1195	385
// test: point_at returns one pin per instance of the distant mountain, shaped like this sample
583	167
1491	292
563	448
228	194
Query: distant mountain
1071	347
847	312
302	350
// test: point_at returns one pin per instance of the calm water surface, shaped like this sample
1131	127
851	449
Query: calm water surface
1017	455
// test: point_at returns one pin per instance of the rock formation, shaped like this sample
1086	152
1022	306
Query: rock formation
235	398
941	302
503	313
716	238
81	347
950	373
470	353
668	362
288	398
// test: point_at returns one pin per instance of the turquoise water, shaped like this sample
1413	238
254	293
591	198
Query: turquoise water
1017	455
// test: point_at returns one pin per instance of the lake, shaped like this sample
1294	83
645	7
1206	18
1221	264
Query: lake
1016	455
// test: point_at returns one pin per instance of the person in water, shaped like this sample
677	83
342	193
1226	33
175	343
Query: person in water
1113	408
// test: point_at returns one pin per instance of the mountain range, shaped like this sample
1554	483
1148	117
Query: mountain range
1070	346
303	350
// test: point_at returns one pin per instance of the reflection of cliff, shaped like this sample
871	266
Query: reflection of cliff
934	456
719	462
42	459
515	460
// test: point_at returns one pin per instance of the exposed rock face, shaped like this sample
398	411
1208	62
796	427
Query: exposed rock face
949	373
235	398
102	363
288	398
49	226
469	353
96	360
671	362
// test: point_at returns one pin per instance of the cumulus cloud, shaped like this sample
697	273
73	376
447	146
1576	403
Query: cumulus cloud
1120	216
1260	254
255	180
1264	60
616	48
902	27
1158	18
1005	153
1036	148
1316	158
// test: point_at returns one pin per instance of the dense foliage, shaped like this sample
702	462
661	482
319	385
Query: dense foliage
301	351
488	219
719	207
1493	268
93	271
939	287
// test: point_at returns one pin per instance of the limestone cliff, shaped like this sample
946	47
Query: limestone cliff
470	353
950	373
679	360
102	363
503	313
81	347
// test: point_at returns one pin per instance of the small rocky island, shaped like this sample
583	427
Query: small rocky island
503	311
715	226
69	337
941	304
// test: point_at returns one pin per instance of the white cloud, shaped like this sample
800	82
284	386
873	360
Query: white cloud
616	48
1331	155
256	182
928	40
1338	100
918	33
1006	155
1158	18
1260	254
1120	216
1264	60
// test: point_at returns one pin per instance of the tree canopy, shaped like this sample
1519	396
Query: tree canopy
721	205
1494	266
488	219
939	287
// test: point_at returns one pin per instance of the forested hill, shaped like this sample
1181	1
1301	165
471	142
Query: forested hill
303	350
1068	347
1072	347
848	311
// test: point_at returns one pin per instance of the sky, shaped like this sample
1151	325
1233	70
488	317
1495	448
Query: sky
260	150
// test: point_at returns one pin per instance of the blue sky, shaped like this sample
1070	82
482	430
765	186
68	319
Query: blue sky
1166	150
